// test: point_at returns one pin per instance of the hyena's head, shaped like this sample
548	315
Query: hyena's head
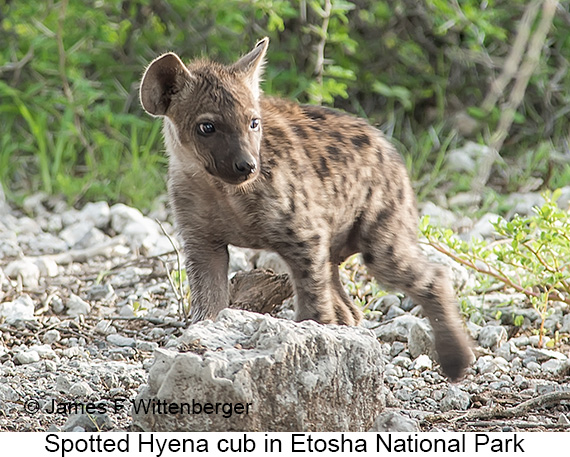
211	112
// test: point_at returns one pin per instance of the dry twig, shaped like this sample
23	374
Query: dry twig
323	32
178	292
515	56
497	412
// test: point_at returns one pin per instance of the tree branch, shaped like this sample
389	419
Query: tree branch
516	96
320	62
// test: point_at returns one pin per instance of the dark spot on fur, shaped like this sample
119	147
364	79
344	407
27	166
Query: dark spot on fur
323	169
369	194
267	143
305	274
289	231
337	136
339	155
277	131
300	132
382	217
316	238
281	245
390	251
360	140
319	112
334	152
430	296
339	314
400	194
301	244
368	258
291	204
292	197
314	112
428	293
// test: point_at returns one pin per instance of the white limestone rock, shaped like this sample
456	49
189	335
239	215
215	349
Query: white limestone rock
296	376
21	308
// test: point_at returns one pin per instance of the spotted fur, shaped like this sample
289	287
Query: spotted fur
311	183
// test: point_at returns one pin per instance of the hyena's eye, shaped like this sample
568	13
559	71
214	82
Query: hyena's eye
254	125
206	128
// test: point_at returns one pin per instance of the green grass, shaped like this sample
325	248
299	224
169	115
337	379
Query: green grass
102	155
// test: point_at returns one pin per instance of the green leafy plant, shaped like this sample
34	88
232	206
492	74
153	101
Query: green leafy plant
139	308
531	256
360	285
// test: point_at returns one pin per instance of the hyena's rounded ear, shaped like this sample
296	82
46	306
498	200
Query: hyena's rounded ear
251	66
162	79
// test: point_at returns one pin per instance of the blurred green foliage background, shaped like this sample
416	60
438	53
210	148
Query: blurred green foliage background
69	71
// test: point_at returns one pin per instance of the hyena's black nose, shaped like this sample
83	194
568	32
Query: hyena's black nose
245	167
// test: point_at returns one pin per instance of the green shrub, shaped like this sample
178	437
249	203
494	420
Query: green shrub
531	255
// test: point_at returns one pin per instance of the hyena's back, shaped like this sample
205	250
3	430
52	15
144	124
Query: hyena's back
344	189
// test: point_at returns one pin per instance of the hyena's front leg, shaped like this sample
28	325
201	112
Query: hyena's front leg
207	271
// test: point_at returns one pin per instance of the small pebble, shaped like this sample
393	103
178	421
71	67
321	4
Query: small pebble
120	340
77	306
422	362
51	336
80	390
455	399
27	357
492	336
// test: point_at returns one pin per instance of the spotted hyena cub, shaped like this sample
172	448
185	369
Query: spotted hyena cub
313	184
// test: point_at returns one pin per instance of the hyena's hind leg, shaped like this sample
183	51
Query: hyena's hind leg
392	254
346	311
320	296
318	290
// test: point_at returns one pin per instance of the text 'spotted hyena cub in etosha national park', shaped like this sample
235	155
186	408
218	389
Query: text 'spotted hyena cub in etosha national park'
312	184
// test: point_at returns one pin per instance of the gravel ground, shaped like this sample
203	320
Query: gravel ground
85	299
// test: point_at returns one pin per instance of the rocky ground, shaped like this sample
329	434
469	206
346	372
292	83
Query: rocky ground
85	299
